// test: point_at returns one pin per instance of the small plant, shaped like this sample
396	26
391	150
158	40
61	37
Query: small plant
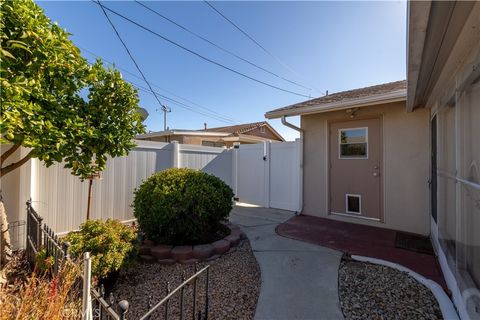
112	245
44	297
183	206
44	262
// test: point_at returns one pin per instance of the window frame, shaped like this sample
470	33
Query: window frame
339	134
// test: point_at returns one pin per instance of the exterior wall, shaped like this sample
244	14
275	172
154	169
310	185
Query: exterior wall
197	140
405	166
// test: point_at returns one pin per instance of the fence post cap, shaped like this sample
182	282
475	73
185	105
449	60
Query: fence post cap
123	305
86	255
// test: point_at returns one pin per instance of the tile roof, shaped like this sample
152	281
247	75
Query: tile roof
348	95
237	129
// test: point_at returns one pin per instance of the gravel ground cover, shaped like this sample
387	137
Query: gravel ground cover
234	286
369	291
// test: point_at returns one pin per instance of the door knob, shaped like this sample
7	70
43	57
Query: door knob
375	174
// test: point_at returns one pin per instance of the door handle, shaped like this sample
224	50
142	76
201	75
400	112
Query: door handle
376	174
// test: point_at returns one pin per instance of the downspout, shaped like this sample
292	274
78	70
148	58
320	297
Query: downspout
300	160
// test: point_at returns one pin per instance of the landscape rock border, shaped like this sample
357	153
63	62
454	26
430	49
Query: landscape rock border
167	254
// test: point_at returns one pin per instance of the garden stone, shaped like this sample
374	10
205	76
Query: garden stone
166	262
147	258
189	261
144	250
234	239
221	246
148	243
239	233
203	251
161	251
214	257
180	253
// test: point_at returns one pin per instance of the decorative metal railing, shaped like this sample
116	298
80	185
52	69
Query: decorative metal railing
196	313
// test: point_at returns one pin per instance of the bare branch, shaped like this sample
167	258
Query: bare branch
9	152
15	165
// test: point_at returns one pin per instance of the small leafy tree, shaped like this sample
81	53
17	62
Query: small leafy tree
53	102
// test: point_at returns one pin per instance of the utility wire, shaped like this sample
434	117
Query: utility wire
219	115
255	41
219	47
128	51
201	56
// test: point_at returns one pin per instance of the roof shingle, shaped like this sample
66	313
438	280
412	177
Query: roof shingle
348	95
241	128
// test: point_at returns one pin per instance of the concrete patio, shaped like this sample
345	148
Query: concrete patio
299	280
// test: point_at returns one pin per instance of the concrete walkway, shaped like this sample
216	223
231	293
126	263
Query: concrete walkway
299	280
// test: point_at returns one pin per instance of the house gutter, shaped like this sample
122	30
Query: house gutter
300	161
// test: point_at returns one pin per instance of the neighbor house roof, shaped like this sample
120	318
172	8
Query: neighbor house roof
181	132
236	130
240	130
383	93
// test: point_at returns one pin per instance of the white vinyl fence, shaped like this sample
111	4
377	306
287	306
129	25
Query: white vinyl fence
265	174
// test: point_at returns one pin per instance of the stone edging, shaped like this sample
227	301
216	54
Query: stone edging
167	255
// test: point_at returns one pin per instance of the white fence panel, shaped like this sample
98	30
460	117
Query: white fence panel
265	174
251	174
284	175
216	161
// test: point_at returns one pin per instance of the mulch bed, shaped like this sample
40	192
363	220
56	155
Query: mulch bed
234	286
370	291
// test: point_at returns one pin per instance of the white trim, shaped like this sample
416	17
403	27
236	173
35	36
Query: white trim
446	306
340	157
359	197
394	96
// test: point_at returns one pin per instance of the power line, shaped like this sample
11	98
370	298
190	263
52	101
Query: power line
201	56
254	41
128	51
219	47
219	115
181	104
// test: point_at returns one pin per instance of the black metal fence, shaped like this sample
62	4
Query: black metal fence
195	313
41	237
107	308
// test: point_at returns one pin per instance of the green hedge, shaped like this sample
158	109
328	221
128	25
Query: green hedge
112	245
183	206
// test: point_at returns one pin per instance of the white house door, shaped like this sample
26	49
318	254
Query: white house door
355	168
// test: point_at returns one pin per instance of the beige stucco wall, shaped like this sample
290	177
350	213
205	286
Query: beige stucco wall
405	166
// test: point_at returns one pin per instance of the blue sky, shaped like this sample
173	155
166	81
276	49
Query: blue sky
330	46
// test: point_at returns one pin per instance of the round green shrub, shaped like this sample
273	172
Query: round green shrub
183	206
112	245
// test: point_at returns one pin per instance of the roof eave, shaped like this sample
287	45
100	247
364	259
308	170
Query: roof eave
394	96
180	132
417	23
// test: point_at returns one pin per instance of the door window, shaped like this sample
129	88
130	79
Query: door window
353	143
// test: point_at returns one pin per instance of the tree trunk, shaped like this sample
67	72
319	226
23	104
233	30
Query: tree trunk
5	245
90	182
